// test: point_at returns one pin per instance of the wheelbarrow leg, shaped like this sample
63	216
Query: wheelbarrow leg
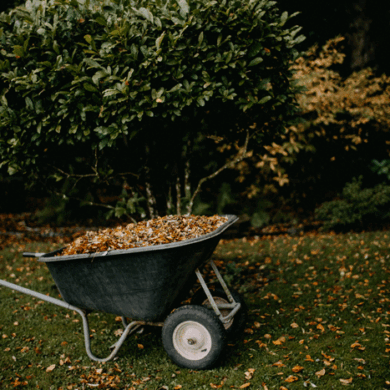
129	328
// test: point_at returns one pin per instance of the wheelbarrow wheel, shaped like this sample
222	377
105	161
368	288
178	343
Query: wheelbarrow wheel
193	337
237	324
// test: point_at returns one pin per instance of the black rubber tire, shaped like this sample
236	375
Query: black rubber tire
235	327
186	321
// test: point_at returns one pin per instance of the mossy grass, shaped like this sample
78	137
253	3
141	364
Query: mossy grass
318	317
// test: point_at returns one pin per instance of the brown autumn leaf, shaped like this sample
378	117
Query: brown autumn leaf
177	387
346	381
260	344
357	345
50	368
291	378
297	368
320	373
279	341
321	327
330	358
294	325
216	386
245	385
265	387
278	364
140	346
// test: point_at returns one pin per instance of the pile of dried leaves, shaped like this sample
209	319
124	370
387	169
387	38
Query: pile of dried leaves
162	230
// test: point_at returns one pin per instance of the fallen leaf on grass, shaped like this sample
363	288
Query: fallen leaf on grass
297	368
260	344
357	345
50	368
177	387
249	373
346	381
294	325
291	378
245	385
278	364
279	341
320	373
305	384
321	327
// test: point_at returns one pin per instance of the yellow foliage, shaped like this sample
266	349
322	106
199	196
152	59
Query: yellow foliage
335	109
345	103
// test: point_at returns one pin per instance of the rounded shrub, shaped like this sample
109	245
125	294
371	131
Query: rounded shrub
124	92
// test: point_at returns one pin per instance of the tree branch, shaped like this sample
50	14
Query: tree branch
230	164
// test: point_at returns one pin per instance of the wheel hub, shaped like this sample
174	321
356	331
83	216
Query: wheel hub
192	340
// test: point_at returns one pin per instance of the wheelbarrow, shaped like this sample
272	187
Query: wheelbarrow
147	285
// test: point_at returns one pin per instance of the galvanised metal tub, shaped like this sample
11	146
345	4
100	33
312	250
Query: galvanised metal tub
140	283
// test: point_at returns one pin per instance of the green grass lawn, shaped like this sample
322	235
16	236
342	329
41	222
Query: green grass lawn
319	310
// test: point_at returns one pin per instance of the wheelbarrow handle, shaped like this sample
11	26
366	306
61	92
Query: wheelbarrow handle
32	254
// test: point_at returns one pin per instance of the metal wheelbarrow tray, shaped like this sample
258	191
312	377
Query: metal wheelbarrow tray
146	284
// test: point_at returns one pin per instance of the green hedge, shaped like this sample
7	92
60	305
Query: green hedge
112	80
357	207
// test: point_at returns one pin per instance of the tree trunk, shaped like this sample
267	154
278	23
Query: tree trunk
361	46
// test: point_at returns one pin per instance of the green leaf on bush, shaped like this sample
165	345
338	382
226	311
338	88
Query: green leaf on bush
159	40
101	21
90	87
12	170
283	18
175	88
256	61
184	8
265	99
200	38
146	14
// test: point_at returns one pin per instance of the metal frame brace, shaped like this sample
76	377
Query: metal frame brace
233	305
